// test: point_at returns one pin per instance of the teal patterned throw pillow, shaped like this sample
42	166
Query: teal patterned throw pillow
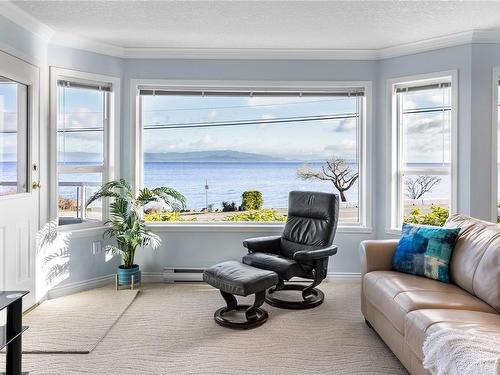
425	251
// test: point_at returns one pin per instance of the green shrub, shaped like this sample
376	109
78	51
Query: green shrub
436	217
261	215
251	200
164	216
228	207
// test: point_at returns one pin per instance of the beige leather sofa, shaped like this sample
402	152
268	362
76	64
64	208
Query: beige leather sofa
404	309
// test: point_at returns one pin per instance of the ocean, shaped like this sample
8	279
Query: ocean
226	181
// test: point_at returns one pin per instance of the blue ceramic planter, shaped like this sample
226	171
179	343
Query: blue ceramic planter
125	275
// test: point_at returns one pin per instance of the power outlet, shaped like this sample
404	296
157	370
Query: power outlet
96	247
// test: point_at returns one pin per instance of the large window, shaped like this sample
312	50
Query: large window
497	163
422	151
13	137
215	146
82	132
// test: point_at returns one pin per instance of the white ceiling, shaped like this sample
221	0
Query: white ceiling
263	24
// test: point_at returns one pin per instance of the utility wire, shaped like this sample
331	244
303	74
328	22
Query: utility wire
250	122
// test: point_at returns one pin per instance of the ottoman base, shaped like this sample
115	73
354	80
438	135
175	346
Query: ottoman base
255	316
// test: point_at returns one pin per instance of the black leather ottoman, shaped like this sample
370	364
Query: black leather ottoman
236	278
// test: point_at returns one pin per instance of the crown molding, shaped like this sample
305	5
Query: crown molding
467	37
252	53
77	42
20	17
427	45
26	21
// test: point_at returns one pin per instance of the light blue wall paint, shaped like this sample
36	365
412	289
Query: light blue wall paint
473	62
455	58
484	59
28	46
85	61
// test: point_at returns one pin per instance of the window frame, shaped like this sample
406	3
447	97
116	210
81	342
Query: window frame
111	167
365	146
495	130
393	172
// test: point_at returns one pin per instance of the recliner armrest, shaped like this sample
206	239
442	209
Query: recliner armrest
304	255
268	244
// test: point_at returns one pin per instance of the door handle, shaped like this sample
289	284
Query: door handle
36	185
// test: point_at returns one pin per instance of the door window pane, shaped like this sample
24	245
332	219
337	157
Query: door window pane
13	137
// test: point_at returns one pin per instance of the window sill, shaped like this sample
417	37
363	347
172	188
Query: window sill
83	229
393	231
239	227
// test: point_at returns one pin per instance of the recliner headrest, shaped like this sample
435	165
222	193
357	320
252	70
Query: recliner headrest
314	205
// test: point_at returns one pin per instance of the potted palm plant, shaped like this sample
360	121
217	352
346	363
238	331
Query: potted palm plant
126	223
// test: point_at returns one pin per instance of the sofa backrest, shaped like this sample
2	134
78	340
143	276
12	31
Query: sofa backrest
475	261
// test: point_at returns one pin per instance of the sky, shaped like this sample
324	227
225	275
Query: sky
423	134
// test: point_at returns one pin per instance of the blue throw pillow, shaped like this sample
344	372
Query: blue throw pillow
425	251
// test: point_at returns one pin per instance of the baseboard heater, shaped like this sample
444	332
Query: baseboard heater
171	275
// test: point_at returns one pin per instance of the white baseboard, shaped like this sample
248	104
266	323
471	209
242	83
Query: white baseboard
80	286
149	277
344	275
152	277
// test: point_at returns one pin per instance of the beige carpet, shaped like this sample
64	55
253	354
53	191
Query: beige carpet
76	323
169	329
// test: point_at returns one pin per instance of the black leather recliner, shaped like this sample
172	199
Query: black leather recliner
302	250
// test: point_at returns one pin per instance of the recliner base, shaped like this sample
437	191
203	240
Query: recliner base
314	299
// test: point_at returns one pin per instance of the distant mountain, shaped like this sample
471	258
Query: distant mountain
209	156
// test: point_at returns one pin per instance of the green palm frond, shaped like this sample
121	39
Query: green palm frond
112	189
170	197
125	223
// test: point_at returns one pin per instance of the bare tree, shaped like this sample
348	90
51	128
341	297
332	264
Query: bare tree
417	187
335	170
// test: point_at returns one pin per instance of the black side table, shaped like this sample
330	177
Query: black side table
11	333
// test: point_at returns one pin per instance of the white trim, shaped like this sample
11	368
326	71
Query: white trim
343	275
80	286
494	144
446	41
147	277
15	14
75	41
392	158
111	137
243	227
366	156
167	278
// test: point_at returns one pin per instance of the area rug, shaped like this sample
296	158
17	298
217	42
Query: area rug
75	323
169	329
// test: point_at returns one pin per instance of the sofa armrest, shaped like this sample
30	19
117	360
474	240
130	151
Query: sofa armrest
269	244
376	255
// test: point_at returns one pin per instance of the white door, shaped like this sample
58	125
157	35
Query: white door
19	175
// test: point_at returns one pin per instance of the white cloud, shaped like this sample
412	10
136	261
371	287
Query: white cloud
211	115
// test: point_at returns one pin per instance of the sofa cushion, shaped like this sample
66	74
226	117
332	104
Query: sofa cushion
395	294
475	262
425	251
421	323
